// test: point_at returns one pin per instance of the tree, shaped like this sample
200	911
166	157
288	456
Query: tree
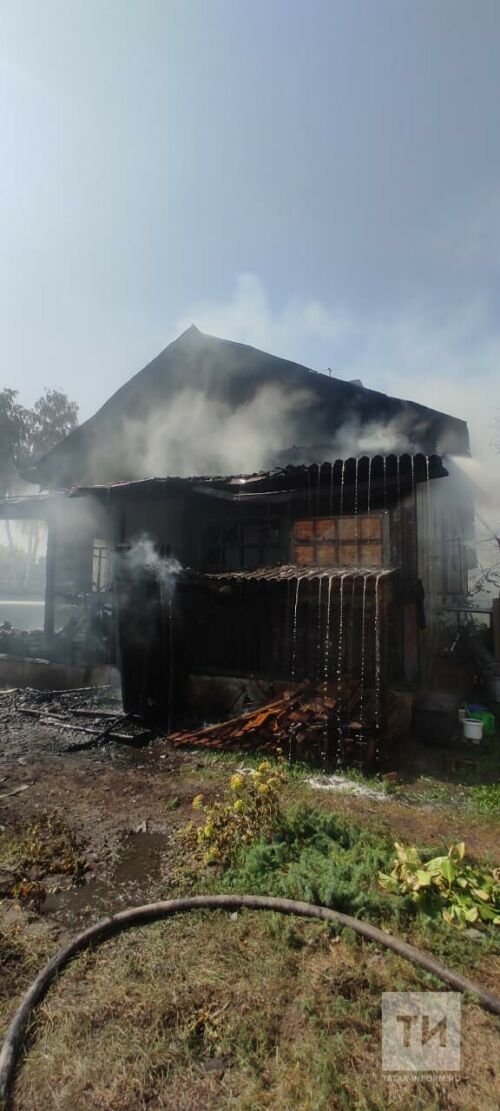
14	445
14	439
53	416
25	435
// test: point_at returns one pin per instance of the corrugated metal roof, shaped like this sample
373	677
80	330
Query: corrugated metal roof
24	507
289	571
400	470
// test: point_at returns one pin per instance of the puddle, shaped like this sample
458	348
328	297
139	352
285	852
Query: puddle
126	883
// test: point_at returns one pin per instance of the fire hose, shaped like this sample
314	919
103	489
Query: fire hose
151	912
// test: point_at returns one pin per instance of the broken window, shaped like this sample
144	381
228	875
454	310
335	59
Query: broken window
339	541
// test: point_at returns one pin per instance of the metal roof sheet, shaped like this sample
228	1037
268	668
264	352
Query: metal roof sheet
289	571
402	470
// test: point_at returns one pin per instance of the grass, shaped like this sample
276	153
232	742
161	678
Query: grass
220	1011
288	1014
47	847
485	799
472	788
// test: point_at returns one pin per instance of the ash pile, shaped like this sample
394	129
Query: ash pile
65	721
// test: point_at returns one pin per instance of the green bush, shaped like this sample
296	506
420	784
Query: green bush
446	886
251	811
319	858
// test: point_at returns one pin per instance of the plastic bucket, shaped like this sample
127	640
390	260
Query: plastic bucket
473	730
488	720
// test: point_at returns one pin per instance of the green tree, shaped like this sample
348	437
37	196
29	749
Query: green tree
53	416
25	435
15	422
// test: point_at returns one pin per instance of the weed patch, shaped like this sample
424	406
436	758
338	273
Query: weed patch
485	799
45	848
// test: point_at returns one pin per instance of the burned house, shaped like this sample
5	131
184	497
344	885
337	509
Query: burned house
300	527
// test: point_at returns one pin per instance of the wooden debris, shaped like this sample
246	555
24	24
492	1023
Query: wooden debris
96	736
15	791
92	713
299	723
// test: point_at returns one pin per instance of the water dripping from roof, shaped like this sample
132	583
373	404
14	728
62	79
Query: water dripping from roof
318	636
342	480
377	669
294	627
326	663
356	507
339	669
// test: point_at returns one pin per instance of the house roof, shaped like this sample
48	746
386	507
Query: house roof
25	507
394	472
114	444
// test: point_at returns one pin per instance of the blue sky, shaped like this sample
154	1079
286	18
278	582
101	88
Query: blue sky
318	177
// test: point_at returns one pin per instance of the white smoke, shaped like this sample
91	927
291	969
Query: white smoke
197	435
143	554
396	436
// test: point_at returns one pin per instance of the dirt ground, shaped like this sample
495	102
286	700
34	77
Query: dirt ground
127	802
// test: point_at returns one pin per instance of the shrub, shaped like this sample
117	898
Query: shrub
319	858
250	812
446	886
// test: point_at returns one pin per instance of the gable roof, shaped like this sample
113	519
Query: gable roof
113	444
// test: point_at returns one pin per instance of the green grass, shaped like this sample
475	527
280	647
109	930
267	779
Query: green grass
485	799
292	1008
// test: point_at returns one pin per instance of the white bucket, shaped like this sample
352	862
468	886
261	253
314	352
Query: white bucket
473	730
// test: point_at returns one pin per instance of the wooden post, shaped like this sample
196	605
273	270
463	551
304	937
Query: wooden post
50	582
495	617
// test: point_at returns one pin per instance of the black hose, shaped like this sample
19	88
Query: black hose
138	916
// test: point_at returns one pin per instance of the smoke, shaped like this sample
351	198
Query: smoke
194	434
143	555
198	435
481	483
396	436
445	359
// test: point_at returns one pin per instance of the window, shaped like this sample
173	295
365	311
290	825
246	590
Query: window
339	541
242	545
100	565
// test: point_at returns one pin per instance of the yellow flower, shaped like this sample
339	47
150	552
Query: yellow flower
264	766
237	782
238	806
263	788
197	802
